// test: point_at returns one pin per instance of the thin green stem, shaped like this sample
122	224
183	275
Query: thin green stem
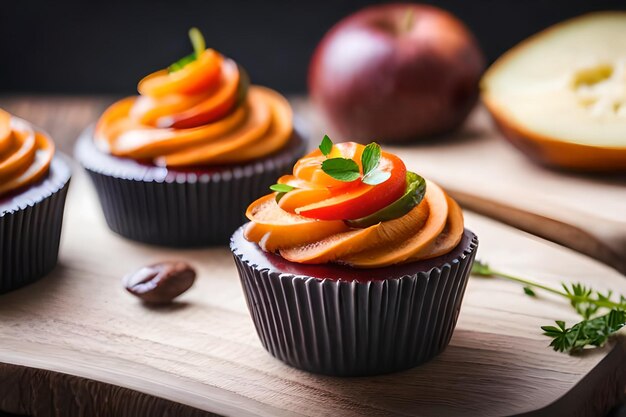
593	330
529	283
485	270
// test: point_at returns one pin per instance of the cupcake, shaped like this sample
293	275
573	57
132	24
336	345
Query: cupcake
33	187
354	265
178	164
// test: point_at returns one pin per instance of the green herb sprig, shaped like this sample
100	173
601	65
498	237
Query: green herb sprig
593	330
347	170
199	45
281	189
344	169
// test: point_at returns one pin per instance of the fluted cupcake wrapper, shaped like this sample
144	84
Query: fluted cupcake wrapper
344	328
30	231
180	208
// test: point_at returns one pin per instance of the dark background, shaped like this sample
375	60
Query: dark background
61	46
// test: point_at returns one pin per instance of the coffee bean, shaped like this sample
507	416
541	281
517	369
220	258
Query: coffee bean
160	283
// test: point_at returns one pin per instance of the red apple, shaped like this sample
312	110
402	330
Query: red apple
396	72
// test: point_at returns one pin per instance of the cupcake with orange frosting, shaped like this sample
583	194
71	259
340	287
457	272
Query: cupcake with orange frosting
33	187
354	265
178	164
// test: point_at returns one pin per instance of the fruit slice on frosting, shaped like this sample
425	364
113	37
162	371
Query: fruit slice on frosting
449	237
199	111
414	193
180	109
274	228
341	246
25	154
361	217
5	131
333	199
560	96
265	129
411	246
195	77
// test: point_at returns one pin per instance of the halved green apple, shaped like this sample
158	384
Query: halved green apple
560	96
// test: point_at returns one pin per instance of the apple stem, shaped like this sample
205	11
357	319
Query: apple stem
408	20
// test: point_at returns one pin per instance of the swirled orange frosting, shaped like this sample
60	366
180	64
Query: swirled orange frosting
431	228
202	114
25	154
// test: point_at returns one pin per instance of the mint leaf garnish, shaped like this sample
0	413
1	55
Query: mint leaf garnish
197	40
180	64
347	170
370	158
341	169
281	188
376	177
326	146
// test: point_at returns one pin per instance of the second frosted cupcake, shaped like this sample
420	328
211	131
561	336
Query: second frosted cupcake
34	180
178	164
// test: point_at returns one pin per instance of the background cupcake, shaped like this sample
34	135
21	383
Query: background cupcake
177	165
33	187
354	266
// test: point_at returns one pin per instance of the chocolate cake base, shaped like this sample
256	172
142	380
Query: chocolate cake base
341	321
30	228
199	206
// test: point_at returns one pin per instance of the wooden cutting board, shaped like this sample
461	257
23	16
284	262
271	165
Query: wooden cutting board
486	174
76	342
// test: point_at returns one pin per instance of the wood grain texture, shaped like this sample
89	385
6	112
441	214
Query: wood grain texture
202	351
486	174
42	393
78	332
63	117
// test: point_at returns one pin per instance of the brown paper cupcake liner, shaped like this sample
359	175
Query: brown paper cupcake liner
354	327
180	208
30	228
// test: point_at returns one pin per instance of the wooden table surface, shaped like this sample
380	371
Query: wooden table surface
75	342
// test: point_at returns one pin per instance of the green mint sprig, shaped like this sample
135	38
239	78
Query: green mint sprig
593	330
326	146
344	169
199	45
281	190
370	159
